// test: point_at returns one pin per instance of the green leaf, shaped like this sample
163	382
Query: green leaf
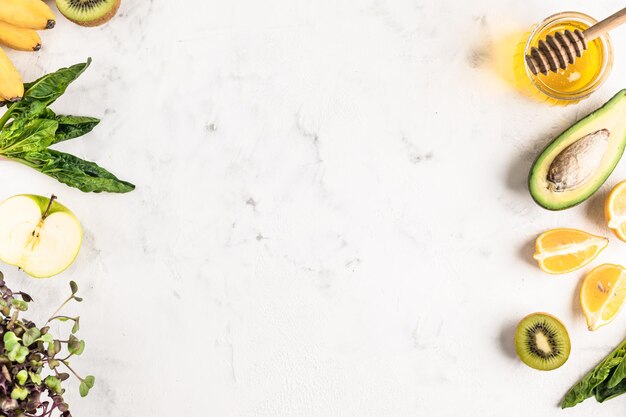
47	113
71	127
83	389
22	376
18	354
10	341
52	86
618	374
22	352
53	363
27	135
27	109
46	338
603	392
586	387
19	304
29	127
73	171
36	378
73	287
36	364
53	383
75	346
30	336
19	393
86	385
90	381
54	348
76	326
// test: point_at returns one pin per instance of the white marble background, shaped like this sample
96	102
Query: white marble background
330	217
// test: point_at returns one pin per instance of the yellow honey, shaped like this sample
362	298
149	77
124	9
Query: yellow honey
579	79
583	71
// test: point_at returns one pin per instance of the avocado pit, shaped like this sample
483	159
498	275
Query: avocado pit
577	163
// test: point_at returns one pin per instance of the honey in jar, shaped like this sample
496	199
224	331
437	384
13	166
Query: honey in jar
579	79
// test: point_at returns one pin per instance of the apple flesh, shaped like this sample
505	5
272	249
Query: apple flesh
38	234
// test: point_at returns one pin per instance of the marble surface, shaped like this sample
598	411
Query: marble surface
330	217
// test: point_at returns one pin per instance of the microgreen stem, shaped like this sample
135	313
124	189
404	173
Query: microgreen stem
70	298
13	318
64	362
62	317
67	357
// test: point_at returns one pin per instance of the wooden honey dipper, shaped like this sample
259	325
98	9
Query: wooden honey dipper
562	49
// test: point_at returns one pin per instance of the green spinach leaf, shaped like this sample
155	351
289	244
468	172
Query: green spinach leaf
52	86
71	127
586	387
24	109
25	135
39	94
618	374
85	175
29	127
605	392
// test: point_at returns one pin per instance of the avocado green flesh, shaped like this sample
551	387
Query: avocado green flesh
611	116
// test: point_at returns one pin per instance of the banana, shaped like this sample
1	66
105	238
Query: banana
18	38
31	14
11	85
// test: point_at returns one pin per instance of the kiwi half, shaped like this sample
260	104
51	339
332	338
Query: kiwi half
89	12
542	341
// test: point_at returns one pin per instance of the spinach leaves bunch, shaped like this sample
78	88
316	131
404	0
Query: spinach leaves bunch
605	381
29	127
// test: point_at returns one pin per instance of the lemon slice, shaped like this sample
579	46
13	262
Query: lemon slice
615	210
602	294
559	251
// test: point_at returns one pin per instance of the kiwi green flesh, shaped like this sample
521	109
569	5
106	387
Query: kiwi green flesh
542	342
88	12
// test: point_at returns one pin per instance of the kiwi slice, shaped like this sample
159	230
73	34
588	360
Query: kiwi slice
542	341
89	12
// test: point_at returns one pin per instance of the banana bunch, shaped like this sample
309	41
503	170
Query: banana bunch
19	22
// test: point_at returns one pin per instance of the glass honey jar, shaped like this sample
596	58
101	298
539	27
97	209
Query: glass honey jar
579	79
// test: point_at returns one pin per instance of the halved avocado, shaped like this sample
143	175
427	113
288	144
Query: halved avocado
608	125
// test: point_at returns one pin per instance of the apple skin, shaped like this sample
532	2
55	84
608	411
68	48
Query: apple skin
42	203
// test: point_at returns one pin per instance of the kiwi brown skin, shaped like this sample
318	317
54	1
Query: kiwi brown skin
102	20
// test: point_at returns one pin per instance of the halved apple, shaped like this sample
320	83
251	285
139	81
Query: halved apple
38	234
